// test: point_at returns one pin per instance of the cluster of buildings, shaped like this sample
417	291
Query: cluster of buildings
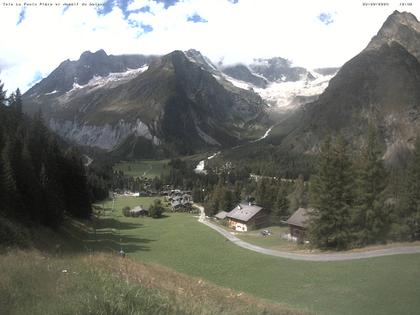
179	200
245	217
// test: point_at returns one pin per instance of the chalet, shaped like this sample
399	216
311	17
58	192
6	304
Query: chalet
245	217
298	223
139	211
181	205
221	215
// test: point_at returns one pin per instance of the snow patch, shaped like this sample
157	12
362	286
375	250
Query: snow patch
53	92
265	134
286	96
111	80
238	83
199	169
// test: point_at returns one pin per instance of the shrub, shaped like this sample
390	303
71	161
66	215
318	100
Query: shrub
156	210
126	211
13	234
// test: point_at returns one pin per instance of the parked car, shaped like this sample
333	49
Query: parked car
266	233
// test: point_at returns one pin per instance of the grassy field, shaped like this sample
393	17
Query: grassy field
386	285
38	282
145	168
153	168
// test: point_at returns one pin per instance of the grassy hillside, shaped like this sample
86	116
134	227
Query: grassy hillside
385	285
34	282
144	168
349	287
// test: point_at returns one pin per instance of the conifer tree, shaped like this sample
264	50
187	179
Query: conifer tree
8	179
2	94
411	213
370	217
15	101
331	197
299	195
281	208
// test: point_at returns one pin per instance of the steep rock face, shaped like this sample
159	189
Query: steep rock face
106	136
402	28
242	72
176	101
279	69
379	86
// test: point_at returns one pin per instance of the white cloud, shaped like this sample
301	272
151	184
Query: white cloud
235	32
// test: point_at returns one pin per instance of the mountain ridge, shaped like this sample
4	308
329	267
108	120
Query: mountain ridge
176	100
379	87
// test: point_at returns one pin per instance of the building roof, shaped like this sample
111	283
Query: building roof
244	212
221	215
138	209
176	203
299	218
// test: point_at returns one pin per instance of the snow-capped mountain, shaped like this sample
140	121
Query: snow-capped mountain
140	105
281	85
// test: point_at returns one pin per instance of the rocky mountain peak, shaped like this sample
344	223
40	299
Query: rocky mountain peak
87	55
402	28
405	18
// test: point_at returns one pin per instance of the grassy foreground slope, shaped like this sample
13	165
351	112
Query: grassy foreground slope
385	285
33	282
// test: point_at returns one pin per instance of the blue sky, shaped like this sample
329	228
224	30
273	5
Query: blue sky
311	33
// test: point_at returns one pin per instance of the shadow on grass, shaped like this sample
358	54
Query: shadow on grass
111	223
113	243
77	237
163	216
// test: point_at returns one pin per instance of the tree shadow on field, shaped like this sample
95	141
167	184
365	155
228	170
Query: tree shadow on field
104	223
103	235
163	216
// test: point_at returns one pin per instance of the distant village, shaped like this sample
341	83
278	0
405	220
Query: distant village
178	200
242	218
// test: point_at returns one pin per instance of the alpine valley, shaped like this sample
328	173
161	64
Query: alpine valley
138	106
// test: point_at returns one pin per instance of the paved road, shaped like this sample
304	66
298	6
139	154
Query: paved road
308	257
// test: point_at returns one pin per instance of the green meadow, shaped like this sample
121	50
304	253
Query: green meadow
385	285
143	168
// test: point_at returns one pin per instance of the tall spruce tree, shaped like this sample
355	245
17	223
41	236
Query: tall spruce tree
411	214
370	218
2	94
15	101
299	195
281	209
11	196
331	196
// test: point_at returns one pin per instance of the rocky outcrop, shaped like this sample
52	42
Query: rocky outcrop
379	86
105	136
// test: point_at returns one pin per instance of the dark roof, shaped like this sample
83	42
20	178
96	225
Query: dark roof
221	215
244	212
299	218
138	209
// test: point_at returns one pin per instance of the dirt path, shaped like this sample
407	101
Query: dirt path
308	257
